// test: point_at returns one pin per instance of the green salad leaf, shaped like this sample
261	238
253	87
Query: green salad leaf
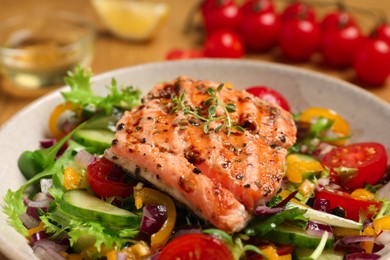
81	94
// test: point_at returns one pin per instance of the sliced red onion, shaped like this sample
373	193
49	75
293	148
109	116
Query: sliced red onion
49	244
383	238
351	244
191	229
321	184
38	236
267	211
318	229
287	199
321	204
28	220
153	218
45	185
121	256
322	149
83	158
46	143
362	256
33	207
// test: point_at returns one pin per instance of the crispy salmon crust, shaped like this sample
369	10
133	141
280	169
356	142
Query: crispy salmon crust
220	177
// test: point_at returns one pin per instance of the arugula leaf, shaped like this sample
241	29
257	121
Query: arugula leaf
81	94
261	227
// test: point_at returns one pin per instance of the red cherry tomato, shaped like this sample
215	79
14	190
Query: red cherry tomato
259	28
108	180
338	46
208	5
382	32
372	62
224	44
298	10
251	6
337	19
353	207
181	54
299	39
370	160
226	16
270	95
195	246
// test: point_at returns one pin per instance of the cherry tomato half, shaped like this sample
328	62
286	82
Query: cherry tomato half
224	44
270	95
370	159
108	180
353	207
195	247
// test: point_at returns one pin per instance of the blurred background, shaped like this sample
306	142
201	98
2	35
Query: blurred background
129	33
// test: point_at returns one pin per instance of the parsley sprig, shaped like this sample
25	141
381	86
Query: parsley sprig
212	102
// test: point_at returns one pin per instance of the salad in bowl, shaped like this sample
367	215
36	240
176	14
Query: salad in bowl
198	167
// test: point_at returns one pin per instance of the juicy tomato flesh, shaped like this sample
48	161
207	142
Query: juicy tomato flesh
108	180
195	247
270	95
370	160
353	207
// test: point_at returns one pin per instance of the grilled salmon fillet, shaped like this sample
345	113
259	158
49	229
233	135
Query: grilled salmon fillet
221	177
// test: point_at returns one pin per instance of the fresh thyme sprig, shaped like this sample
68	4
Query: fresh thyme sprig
212	102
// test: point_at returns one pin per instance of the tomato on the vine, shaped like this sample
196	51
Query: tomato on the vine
224	44
259	28
222	16
298	10
108	180
382	32
195	246
353	207
338	46
372	62
367	161
337	19
299	39
270	95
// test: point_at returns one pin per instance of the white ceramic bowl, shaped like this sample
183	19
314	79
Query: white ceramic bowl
368	115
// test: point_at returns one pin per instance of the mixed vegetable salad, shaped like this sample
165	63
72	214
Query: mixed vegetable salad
78	205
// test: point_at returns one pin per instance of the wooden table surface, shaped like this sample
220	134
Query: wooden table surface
111	53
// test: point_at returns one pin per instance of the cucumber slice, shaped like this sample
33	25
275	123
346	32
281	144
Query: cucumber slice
82	204
285	234
99	139
327	218
329	254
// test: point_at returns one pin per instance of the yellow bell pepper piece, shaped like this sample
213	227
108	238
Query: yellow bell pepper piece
151	196
138	251
381	224
40	227
297	167
340	125
55	116
271	253
362	194
368	246
72	179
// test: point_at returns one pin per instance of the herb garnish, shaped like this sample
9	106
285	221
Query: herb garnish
212	102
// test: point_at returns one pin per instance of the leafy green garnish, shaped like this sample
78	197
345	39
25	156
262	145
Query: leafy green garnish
260	227
13	200
237	247
275	200
213	102
81	94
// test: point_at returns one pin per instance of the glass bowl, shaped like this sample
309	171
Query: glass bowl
37	50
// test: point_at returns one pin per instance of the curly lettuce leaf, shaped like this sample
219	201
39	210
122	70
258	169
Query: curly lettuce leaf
13	200
81	94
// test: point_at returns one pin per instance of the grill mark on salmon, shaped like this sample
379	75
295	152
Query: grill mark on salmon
221	178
